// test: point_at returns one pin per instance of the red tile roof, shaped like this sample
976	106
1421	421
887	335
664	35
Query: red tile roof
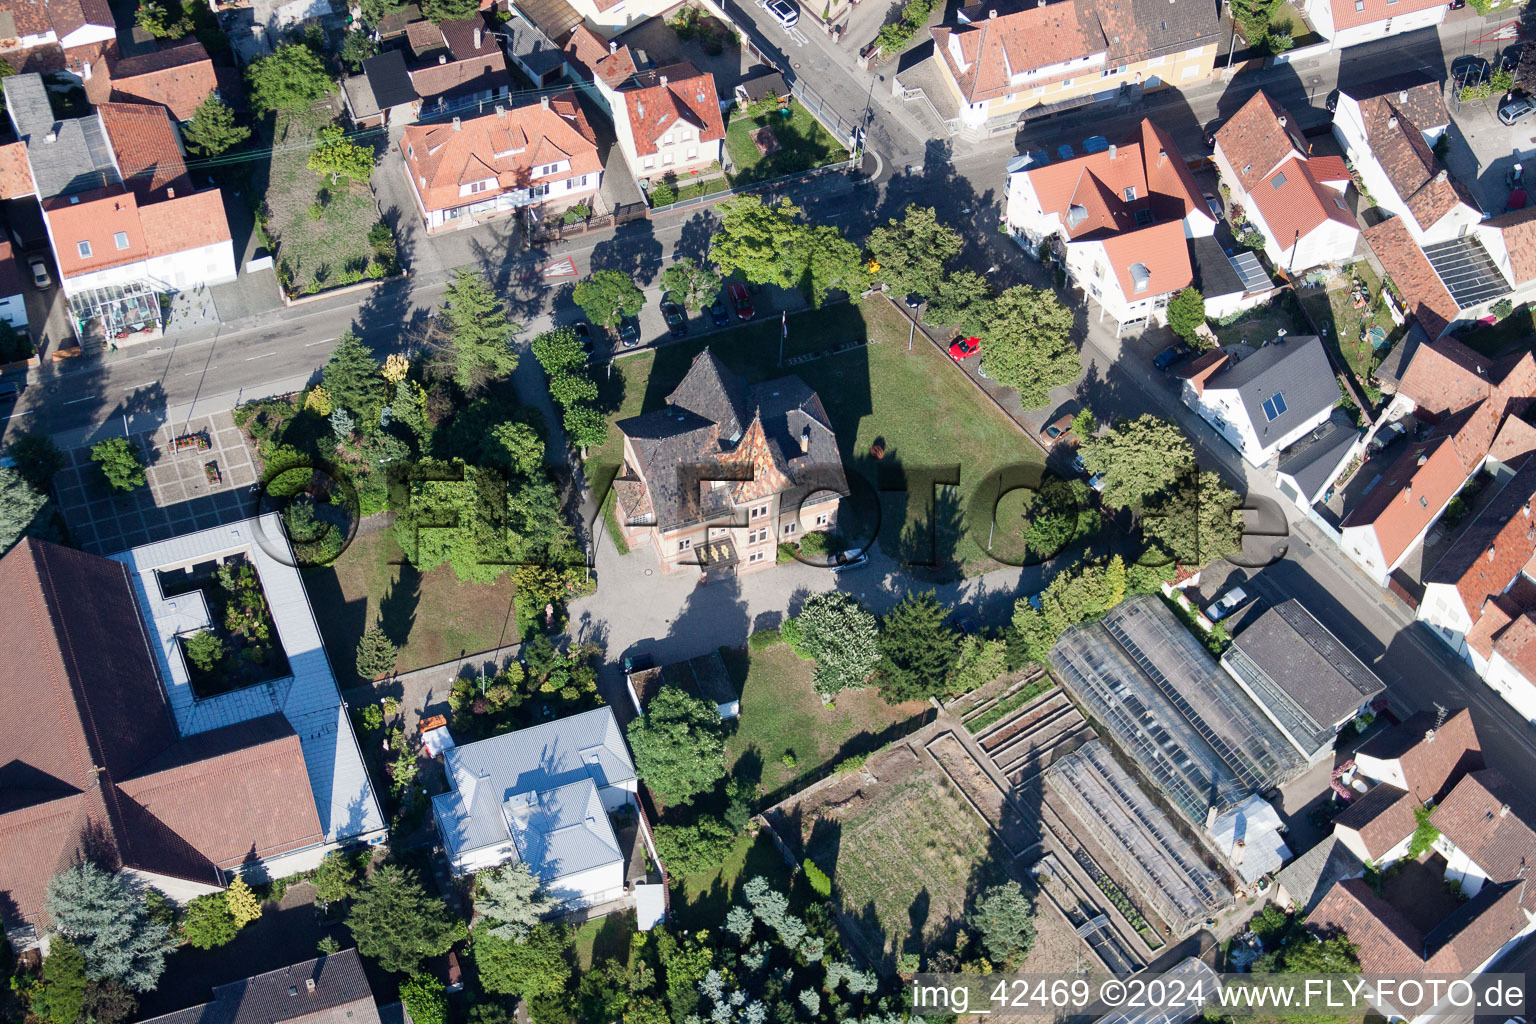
1517	644
1498	612
1150	165
658	100
995	48
148	155
1519	232
505	146
97	217
1258	139
1490	819
1427	297
180	78
1409	496
1345	15
38	840
1431	758
1160	249
15	172
1398	146
1516	439
1294	203
1329	168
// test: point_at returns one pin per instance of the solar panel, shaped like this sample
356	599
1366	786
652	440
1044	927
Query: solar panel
1247	266
1274	405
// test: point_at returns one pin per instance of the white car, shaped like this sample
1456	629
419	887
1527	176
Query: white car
40	278
1218	610
784	12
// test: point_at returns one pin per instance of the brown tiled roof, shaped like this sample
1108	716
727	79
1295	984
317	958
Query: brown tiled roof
40	839
1497	613
1160	249
1494	548
1384	939
1397	144
1258	139
15	172
1472	432
1383	818
1445	377
148	156
995	48
1427	297
658	100
1415	94
1516	439
1430	765
506	146
230	794
180	78
1328	168
61	16
1517	644
1519	231
484	65
1202	368
1489	819
586	48
1413	491
186	222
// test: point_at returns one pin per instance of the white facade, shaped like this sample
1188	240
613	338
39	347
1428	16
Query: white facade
1320	13
1223	409
563	190
1327	243
1349	129
177	271
1443	610
1511	684
1355	843
13	309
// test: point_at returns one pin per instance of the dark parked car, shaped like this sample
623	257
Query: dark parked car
584	335
10	391
638	663
677	323
719	313
742	301
629	332
1175	353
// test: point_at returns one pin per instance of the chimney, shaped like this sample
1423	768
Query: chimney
1162	157
663	79
1442	175
544	102
309	983
1491	548
1113	149
613	46
457	125
1429	735
1282	120
1504	810
477	38
501	112
805	439
1392	121
1402	97
442	58
170	192
992	13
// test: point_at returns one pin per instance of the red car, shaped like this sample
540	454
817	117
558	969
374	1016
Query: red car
964	348
741	300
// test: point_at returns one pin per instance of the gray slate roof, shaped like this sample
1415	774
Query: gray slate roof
1309	877
1305	677
757	87
1313	459
390	82
77	160
498	778
340	996
1390	373
562	831
1297	367
1215	273
530	48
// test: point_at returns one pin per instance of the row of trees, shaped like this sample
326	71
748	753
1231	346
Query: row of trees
571	386
25	508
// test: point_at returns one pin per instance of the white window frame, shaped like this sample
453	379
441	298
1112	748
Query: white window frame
84	249
758	512
791	528
120	239
684	544
756	556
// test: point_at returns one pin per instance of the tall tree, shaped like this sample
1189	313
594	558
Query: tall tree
537	966
1186	313
244	907
1196	519
335	878
511	900
120	463
827	261
1027	342
679	745
912	251
558	350
395	922
523	445
106	917
607	296
585	427
843	638
440	11
1138	458
479	347
351	376
690	285
337	155
356	48
758	241
61	997
21	510
290	78
918	648
37	459
953	296
163	19
1005	919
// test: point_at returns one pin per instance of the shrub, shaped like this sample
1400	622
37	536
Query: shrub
1503	307
687	849
664	192
426	999
207	922
789	632
764	639
817	878
205	649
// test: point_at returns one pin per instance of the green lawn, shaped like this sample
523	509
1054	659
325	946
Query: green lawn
432	616
782	715
802	140
314	253
1260	324
604	938
701	900
917	405
1335	311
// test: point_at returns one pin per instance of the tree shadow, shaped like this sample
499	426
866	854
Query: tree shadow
633	250
397	607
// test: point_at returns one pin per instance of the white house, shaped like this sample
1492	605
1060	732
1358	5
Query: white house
13	303
1351	22
1120	219
1296	202
542	796
1388	133
1270	399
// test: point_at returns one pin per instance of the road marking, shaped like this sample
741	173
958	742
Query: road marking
147	384
195	373
77	401
322	341
264	355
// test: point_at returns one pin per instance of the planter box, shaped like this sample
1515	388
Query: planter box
211	471
190	443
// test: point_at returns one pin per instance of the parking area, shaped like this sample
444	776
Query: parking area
181	496
1483	150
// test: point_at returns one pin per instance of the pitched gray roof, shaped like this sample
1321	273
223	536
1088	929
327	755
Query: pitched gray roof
712	392
1304	676
1313	459
1214	269
529	47
1297	368
562	831
78	157
388	79
1390	372
340	996
1309	877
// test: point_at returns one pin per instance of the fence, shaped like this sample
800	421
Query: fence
758	186
843	130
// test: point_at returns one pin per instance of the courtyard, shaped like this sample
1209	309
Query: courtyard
182	494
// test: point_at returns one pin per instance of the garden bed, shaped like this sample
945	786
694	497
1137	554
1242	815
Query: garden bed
240	618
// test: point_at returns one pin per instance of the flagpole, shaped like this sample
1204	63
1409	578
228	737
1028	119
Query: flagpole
783	334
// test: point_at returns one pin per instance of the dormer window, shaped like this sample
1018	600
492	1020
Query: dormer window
1141	277
1076	215
1130	194
84	248
1247	168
